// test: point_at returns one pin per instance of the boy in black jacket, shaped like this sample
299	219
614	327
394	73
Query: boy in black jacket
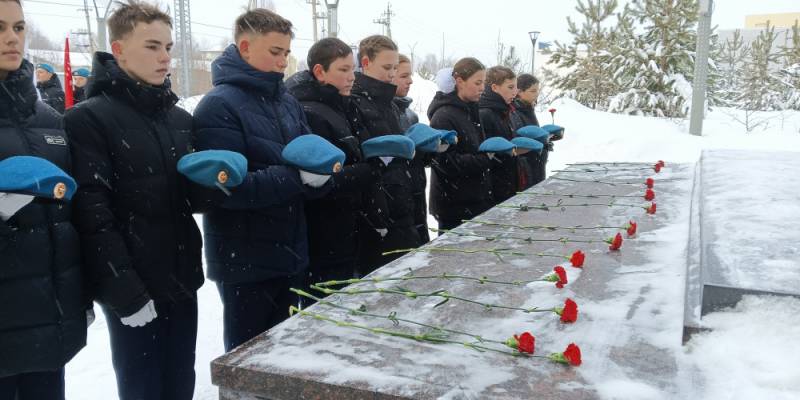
373	93
334	220
133	209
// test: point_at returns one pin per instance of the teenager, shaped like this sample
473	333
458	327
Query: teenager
256	241
49	87
460	177
133	210
373	93
334	221
42	304
495	114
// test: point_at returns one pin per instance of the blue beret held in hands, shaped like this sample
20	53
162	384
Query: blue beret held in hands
214	167
426	139
389	146
313	154
36	177
527	144
534	132
496	145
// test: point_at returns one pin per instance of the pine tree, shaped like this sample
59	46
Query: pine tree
730	60
589	81
657	72
761	89
790	73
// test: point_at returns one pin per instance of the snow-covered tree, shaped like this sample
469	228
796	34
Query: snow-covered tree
656	68
790	73
761	88
730	57
588	80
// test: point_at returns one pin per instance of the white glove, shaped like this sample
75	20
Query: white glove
383	232
442	147
313	180
141	317
491	156
387	160
10	203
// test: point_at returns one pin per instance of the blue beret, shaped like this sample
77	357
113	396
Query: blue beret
388	146
84	72
554	130
36	177
212	167
314	154
527	143
425	138
47	67
496	145
534	132
449	137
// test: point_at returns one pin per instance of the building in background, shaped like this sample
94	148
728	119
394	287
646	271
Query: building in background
782	20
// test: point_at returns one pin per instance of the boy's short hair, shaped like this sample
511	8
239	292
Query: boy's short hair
326	51
404	59
129	13
262	22
372	45
499	74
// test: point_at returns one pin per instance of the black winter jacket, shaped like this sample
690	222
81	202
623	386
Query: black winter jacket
496	121
334	220
133	209
52	93
260	231
419	181
532	165
374	101
79	94
42	305
460	179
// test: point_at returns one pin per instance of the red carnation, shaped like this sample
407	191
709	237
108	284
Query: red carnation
573	354
651	209
527	343
631	228
649	195
570	356
552	111
615	242
649	183
657	168
562	276
661	163
577	259
570	311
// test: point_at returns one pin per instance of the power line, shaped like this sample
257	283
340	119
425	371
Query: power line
386	19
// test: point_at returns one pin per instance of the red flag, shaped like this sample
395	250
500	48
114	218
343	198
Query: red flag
68	95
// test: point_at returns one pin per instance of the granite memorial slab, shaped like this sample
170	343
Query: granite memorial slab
629	327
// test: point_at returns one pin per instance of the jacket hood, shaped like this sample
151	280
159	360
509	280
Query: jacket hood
109	79
403	103
229	68
17	93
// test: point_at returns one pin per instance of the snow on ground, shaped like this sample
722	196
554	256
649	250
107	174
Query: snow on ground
756	341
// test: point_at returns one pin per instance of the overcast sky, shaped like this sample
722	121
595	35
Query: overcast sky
467	27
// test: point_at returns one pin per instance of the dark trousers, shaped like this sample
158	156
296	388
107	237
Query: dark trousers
421	217
373	246
156	361
448	224
323	272
252	308
46	385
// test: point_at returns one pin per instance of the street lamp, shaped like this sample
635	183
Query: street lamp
534	35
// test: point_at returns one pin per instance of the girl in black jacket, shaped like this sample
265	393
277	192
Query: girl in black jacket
495	113
42	305
460	179
532	164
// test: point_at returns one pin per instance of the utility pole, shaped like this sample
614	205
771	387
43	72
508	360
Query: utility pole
701	68
314	18
386	20
102	39
85	10
333	17
183	35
